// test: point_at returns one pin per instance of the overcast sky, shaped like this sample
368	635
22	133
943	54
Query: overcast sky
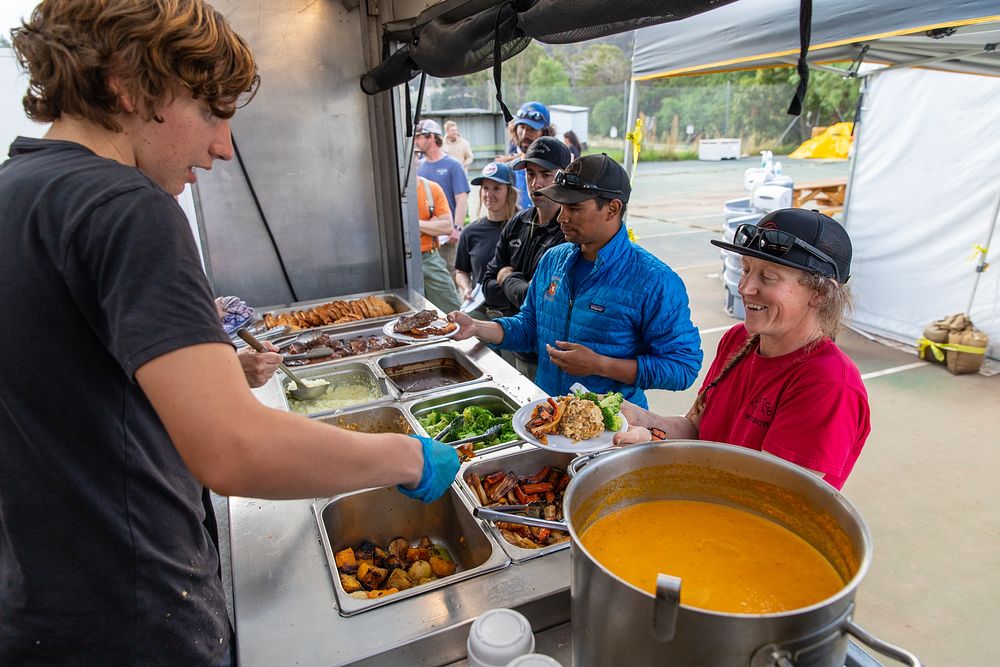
11	12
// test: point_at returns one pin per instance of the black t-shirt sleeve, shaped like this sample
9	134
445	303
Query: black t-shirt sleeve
462	260
136	256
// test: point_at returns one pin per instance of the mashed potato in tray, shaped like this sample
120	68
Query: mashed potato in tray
339	394
582	420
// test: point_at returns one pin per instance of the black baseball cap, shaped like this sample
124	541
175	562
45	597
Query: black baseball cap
548	153
799	238
588	177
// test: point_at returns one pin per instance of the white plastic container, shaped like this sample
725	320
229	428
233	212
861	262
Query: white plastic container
719	149
499	636
534	660
769	198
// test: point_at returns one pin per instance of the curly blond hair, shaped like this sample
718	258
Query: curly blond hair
154	49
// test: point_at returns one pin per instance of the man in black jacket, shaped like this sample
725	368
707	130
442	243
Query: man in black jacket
525	238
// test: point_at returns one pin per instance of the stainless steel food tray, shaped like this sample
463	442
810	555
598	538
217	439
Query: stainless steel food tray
341	333
398	303
429	353
484	396
380	515
339	371
387	418
526	461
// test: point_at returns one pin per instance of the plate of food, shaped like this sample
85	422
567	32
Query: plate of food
420	326
577	423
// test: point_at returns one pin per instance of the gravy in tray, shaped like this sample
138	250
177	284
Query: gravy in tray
430	374
729	560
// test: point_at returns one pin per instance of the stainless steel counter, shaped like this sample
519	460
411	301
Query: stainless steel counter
285	609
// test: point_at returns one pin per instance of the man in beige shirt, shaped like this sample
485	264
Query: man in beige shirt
456	146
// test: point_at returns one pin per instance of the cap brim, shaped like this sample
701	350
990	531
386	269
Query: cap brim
535	124
479	179
739	250
544	164
564	195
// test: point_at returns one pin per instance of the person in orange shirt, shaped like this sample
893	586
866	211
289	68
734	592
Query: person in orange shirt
434	216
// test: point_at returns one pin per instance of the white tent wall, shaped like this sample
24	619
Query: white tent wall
923	192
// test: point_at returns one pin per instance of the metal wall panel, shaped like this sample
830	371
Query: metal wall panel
306	143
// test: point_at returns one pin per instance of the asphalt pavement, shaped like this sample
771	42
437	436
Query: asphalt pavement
925	481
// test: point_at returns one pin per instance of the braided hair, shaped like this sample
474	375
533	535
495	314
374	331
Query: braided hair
736	357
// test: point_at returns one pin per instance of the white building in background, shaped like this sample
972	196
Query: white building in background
568	117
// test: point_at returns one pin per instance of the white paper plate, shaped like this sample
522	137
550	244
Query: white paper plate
387	330
560	443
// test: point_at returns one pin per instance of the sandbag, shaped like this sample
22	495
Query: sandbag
937	333
966	350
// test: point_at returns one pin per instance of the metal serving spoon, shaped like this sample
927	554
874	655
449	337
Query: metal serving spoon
301	392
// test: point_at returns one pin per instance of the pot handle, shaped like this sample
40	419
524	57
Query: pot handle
666	606
583	459
885	648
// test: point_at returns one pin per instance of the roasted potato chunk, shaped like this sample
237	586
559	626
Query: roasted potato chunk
425	542
398	546
442	567
399	579
381	593
350	583
419	553
345	561
421	569
372	576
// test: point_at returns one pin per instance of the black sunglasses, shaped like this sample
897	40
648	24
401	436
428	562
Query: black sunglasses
574	182
777	243
531	115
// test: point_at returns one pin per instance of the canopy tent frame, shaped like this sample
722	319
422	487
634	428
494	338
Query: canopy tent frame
960	38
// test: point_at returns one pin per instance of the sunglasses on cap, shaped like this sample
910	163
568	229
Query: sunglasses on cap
777	243
530	114
574	182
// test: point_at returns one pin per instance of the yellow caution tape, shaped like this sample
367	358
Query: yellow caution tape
937	349
978	250
635	136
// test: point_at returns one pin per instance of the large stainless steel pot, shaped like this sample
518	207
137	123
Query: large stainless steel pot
617	623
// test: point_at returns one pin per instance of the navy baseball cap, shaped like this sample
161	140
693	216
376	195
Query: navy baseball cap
799	238
548	153
495	171
588	177
533	114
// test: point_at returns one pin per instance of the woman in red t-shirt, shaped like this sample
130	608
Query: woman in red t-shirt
779	383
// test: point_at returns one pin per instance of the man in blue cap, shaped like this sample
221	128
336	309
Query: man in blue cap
531	122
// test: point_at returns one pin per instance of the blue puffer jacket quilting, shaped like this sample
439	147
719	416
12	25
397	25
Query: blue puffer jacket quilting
630	306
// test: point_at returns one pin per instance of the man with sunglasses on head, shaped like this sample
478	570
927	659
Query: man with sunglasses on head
599	310
525	238
531	123
779	383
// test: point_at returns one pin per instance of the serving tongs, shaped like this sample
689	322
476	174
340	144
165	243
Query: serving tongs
485	435
315	353
495	515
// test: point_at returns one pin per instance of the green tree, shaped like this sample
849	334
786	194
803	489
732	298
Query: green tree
516	73
607	113
548	82
602	72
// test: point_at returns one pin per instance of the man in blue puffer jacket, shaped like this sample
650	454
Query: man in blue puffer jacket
600	310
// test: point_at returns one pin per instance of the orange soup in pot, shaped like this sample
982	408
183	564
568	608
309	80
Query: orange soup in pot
728	559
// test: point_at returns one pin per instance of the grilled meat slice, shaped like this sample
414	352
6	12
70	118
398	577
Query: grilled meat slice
415	321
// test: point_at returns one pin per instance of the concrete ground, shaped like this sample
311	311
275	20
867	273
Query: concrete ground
925	481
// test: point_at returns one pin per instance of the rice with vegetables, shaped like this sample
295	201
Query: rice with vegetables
582	421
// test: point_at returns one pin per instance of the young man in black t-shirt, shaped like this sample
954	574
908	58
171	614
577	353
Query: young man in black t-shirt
104	554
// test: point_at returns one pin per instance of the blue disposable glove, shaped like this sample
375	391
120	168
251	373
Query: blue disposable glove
440	468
